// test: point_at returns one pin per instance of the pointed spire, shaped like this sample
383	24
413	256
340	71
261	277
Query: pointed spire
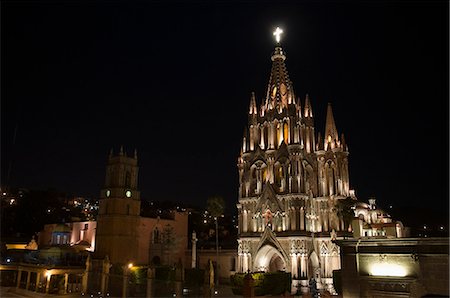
331	134
298	106
244	141
308	107
253	109
121	150
343	143
280	88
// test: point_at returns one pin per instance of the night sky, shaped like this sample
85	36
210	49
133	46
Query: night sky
174	82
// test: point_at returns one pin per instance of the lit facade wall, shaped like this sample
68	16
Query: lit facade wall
404	267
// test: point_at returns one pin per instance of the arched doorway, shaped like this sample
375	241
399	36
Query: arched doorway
269	259
313	266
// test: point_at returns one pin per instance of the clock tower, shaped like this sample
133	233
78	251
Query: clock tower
119	210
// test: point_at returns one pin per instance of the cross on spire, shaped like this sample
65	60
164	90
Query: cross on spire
277	33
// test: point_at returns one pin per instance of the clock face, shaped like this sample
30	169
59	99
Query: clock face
128	193
108	193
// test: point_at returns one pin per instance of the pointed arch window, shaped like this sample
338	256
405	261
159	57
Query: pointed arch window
286	132
323	250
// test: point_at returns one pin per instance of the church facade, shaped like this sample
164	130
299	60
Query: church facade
291	182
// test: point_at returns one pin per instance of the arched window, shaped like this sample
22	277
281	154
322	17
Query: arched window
286	132
265	137
278	134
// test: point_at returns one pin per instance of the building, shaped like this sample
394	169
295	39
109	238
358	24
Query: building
294	191
88	256
81	235
122	233
396	267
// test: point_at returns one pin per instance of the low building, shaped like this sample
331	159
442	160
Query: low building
80	235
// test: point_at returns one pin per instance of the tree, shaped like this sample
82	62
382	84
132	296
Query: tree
216	206
170	241
345	210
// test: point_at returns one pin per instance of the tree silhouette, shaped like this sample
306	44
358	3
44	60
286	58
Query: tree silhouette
216	206
345	210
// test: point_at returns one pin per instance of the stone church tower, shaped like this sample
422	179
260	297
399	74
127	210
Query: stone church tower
119	210
290	182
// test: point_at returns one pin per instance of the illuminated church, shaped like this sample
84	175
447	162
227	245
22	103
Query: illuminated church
291	180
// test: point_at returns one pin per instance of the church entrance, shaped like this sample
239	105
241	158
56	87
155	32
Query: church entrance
313	266
269	259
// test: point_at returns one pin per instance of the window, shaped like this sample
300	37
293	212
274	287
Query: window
286	132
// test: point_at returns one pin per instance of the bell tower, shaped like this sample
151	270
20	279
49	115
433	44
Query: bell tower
120	182
119	210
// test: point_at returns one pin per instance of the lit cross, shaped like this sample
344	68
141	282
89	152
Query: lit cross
277	34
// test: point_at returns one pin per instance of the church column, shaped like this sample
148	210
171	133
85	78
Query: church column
294	267
28	280
244	219
245	264
249	221
304	266
238	265
19	276
47	284
293	216
66	282
319	218
270	135
258	180
261	143
302	219
38	281
252	138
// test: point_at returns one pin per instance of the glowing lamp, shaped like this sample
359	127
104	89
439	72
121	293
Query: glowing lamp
130	265
386	269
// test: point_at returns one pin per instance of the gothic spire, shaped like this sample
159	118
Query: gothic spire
279	90
308	107
343	143
331	134
253	109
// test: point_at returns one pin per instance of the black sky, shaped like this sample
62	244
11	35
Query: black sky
174	81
